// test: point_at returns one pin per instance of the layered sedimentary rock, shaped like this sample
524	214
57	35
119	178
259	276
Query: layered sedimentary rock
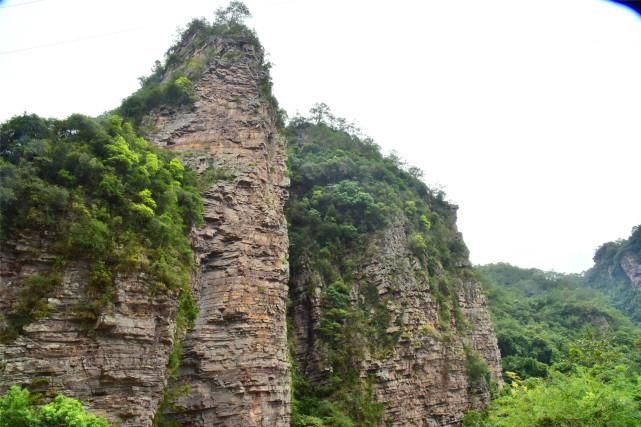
423	379
234	367
631	266
235	358
617	272
115	364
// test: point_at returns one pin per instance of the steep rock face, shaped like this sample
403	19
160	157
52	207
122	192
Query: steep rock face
235	358
116	365
422	380
617	272
632	267
385	307
234	362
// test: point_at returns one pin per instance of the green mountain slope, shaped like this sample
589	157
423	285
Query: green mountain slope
570	357
353	323
617	273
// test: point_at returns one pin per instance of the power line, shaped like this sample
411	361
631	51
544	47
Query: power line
80	39
97	36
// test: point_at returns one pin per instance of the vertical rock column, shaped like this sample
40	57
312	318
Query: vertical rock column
235	358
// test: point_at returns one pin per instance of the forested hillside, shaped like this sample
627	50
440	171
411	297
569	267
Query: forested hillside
387	323
570	357
617	273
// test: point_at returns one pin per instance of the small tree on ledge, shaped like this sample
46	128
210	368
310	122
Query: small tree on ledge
233	14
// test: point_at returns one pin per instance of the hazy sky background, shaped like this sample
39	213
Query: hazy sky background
526	112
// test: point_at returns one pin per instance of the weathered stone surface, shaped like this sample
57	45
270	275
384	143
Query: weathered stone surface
422	381
116	364
632	269
235	359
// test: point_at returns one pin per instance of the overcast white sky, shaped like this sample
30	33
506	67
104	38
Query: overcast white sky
527	112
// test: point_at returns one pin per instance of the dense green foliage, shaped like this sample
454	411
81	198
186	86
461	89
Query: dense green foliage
563	400
20	408
477	370
608	276
344	189
101	195
539	315
171	82
177	90
344	193
569	357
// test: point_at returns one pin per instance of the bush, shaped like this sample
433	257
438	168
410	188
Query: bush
418	245
18	409
477	370
103	195
568	400
178	91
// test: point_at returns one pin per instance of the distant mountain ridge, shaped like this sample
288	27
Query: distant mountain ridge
617	273
570	356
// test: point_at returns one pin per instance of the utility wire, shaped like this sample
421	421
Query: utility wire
63	42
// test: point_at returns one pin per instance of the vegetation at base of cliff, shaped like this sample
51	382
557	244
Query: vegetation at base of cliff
103	196
598	395
344	194
570	358
608	276
539	317
20	408
171	82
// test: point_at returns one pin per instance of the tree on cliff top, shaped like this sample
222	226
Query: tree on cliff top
233	14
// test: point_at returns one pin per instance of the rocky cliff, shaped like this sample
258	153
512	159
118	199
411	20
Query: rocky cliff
412	328
422	379
90	292
631	266
222	122
235	358
617	272
115	364
386	321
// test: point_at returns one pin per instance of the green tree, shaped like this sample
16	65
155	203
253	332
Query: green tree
105	196
18	408
235	13
320	113
15	409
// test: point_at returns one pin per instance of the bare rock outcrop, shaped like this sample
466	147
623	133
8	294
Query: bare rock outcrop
422	380
235	359
115	364
632	267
